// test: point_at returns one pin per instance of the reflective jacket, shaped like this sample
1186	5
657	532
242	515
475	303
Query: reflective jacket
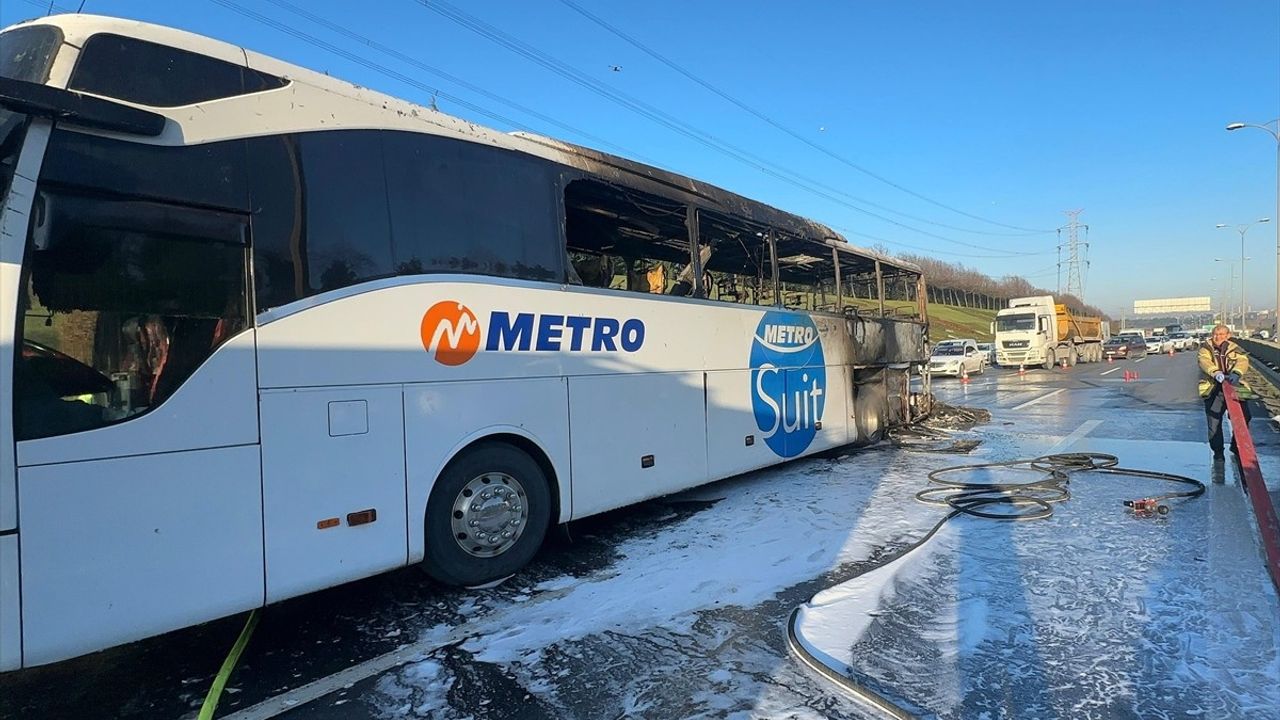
1229	359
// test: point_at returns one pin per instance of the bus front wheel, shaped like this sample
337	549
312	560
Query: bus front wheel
487	515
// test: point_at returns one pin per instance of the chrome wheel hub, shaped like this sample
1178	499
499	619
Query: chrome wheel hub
489	514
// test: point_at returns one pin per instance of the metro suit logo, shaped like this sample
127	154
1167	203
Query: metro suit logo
788	381
451	331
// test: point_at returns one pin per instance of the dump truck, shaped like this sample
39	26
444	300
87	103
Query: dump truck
1038	331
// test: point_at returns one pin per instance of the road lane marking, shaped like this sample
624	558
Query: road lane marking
1036	400
1139	360
1109	371
1085	428
325	686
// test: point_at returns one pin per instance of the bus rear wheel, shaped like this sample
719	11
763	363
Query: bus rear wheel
487	515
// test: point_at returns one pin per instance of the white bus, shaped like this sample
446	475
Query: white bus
263	332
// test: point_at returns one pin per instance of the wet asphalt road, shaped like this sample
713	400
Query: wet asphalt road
719	660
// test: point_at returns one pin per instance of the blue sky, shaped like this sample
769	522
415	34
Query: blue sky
1009	111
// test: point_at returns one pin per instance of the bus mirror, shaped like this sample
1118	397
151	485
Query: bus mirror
78	108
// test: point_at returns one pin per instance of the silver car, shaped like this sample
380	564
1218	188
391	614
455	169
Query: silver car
988	349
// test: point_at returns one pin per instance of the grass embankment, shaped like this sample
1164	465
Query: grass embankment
948	321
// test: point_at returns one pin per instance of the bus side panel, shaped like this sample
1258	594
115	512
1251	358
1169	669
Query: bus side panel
730	423
619	421
122	549
10	605
216	407
442	419
329	454
835	412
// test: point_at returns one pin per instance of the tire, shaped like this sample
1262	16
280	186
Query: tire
520	504
982	367
1050	359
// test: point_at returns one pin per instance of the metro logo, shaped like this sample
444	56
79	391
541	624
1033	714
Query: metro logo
451	331
789	335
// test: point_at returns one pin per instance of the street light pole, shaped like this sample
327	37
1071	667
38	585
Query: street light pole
1242	229
1275	133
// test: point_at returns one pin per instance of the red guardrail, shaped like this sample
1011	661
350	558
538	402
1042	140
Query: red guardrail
1254	485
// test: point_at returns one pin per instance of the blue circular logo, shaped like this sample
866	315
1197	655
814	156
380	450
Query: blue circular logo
788	381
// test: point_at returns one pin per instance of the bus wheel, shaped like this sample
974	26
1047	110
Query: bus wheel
487	515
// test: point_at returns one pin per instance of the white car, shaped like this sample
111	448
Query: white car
957	357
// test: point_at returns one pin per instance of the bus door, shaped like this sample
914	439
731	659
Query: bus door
135	396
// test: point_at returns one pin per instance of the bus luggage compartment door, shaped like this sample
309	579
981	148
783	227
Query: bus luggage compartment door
333	486
635	436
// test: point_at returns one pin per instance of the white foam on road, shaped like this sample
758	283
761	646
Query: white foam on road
1091	613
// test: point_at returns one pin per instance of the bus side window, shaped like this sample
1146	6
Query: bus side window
460	207
625	239
806	271
738	262
320	217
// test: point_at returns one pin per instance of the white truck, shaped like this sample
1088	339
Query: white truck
1037	331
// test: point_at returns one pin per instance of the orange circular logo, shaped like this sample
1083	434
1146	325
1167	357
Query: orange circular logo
451	331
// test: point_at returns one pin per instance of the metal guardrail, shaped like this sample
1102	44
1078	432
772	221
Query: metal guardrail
1263	510
1264	357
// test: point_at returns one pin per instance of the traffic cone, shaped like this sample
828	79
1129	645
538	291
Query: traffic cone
1170	352
1111	359
1022	370
964	374
1128	375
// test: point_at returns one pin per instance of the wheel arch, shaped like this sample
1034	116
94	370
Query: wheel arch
524	441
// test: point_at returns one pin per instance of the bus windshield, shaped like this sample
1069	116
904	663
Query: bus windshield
12	130
26	54
1006	323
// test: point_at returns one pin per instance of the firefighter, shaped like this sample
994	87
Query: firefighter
1221	360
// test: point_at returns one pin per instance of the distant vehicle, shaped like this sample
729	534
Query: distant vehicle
1261	334
989	349
955	357
1159	344
1182	341
1125	346
1172	329
1036	331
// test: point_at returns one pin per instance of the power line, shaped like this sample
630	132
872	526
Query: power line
779	126
877	238
409	60
536	56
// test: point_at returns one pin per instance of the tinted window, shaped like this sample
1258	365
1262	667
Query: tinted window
280	272
458	207
320	213
159	75
348	237
211	175
13	128
26	53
